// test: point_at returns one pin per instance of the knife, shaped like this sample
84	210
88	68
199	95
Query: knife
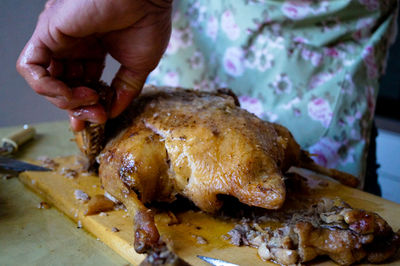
10	144
19	166
216	262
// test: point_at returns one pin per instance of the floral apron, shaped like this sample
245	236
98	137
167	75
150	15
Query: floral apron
311	65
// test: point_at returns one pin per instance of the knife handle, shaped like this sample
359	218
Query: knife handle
20	137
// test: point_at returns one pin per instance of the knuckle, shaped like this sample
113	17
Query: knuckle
63	105
40	90
20	67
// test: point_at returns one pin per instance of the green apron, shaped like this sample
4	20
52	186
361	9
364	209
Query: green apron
310	65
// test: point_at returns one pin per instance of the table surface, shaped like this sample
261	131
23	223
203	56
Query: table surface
23	226
32	236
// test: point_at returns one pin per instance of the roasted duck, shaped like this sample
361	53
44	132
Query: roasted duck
196	144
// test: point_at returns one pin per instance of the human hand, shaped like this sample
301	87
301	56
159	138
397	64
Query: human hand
71	41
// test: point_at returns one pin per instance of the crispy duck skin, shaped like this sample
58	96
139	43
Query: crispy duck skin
91	140
197	144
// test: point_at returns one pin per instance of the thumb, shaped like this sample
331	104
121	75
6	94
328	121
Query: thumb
127	85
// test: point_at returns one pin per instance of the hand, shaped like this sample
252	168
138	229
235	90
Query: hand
71	41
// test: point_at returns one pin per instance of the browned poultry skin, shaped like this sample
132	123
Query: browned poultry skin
196	144
199	145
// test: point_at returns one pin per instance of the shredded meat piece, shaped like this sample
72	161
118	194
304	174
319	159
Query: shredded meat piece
69	173
200	240
48	162
162	255
81	195
330	227
43	205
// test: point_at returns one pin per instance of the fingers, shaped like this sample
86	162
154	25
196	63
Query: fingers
76	124
32	65
81	96
74	70
56	69
93	70
43	74
94	113
127	85
83	70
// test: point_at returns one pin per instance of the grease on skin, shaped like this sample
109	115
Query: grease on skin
94	113
81	112
26	60
28	54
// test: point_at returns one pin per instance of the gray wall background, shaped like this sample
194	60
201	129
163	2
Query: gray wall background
19	104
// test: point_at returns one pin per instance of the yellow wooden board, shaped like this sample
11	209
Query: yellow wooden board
32	236
59	191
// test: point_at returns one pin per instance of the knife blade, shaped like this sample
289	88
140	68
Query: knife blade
216	262
19	166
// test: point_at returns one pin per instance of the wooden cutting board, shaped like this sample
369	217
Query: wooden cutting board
32	236
58	190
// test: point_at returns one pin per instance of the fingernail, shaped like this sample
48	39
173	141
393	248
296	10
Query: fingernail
83	114
77	114
76	124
